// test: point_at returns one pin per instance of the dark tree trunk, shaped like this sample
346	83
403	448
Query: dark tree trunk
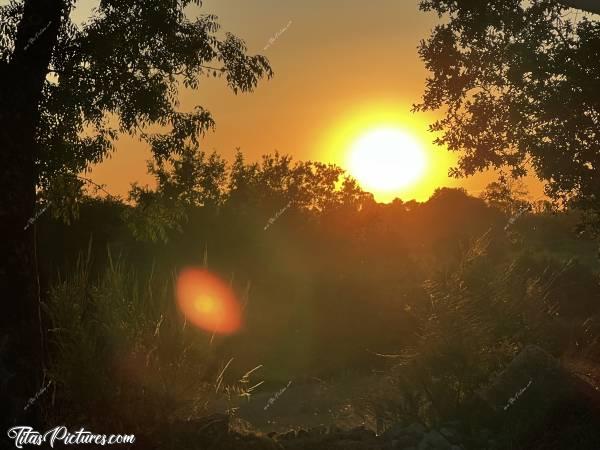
21	336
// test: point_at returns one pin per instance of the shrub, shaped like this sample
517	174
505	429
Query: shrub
480	314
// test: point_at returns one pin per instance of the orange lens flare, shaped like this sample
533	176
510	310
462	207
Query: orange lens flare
208	302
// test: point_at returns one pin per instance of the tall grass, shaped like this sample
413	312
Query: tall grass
122	354
480	314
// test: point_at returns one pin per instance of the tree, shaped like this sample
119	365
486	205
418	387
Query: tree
188	181
278	181
193	183
66	93
591	6
507	195
519	83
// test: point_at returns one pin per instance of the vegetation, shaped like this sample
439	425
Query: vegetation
518	84
427	301
337	283
66	93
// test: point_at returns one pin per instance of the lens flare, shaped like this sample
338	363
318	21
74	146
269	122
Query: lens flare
208	302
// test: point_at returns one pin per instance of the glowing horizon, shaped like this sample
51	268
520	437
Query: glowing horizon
429	174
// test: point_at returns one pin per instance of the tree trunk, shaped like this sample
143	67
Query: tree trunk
21	335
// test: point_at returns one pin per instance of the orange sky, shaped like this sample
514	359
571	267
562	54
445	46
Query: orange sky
341	66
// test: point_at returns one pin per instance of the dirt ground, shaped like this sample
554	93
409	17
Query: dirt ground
310	404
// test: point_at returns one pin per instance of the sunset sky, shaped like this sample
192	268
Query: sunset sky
342	68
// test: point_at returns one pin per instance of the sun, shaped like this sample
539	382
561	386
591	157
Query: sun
387	149
386	160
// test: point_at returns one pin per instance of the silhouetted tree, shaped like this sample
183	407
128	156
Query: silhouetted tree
519	82
66	92
585	5
277	181
193	181
507	195
187	181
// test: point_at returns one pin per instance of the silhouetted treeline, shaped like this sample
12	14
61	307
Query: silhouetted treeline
333	276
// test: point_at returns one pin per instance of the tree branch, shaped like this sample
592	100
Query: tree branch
591	6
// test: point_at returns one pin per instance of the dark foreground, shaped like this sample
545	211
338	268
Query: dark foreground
535	404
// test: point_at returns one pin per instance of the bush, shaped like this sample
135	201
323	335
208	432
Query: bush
480	315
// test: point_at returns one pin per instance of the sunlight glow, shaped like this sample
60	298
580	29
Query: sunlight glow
386	159
383	172
208	302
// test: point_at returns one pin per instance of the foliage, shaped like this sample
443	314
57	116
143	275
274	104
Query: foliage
507	195
120	341
190	180
121	73
519	84
194	180
335	281
307	185
153	219
479	315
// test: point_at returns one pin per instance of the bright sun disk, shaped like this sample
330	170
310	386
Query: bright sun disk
386	160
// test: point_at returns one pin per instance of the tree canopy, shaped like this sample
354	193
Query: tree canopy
195	180
518	83
67	92
121	73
